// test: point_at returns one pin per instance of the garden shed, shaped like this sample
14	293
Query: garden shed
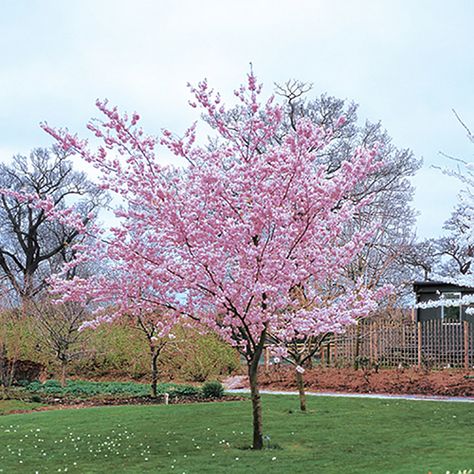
433	291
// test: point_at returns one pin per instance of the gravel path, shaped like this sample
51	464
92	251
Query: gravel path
430	398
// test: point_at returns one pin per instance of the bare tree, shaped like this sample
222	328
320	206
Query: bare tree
458	251
388	188
450	255
422	258
31	246
59	327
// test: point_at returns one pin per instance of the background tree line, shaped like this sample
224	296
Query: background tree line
32	248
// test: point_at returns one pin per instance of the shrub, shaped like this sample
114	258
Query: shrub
121	350
79	388
212	390
197	357
180	390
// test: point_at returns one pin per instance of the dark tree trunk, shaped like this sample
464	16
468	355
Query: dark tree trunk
63	373
154	373
7	368
357	348
302	394
255	396
3	366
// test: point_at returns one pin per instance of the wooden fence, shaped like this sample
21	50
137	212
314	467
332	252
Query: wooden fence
431	344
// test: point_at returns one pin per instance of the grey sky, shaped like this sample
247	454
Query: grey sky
405	62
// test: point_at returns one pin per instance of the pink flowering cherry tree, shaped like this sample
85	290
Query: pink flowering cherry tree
223	240
125	288
332	308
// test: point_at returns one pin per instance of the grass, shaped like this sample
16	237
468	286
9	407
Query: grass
7	406
338	435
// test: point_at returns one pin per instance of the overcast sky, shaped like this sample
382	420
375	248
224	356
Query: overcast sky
406	62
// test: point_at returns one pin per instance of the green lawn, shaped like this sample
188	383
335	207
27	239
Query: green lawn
339	435
7	406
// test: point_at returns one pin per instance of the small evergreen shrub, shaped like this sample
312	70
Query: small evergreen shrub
212	390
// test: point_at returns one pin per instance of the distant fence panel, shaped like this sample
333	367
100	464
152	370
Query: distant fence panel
432	344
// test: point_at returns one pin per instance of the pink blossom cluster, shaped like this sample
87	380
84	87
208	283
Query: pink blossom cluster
224	240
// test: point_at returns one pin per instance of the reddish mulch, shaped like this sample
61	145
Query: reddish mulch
388	381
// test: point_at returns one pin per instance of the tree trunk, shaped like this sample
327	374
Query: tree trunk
63	373
3	366
302	394
357	348
256	399
154	374
7	368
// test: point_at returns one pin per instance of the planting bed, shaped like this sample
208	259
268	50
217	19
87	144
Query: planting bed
79	394
405	381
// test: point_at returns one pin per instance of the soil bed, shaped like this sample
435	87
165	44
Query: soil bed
453	383
109	400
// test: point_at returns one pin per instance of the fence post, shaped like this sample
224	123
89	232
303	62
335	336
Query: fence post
371	344
419	344
376	343
266	358
466	344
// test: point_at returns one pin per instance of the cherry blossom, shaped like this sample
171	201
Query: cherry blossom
223	241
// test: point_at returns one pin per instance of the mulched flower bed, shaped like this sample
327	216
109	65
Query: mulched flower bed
449	382
159	400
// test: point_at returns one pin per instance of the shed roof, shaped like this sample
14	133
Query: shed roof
432	286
